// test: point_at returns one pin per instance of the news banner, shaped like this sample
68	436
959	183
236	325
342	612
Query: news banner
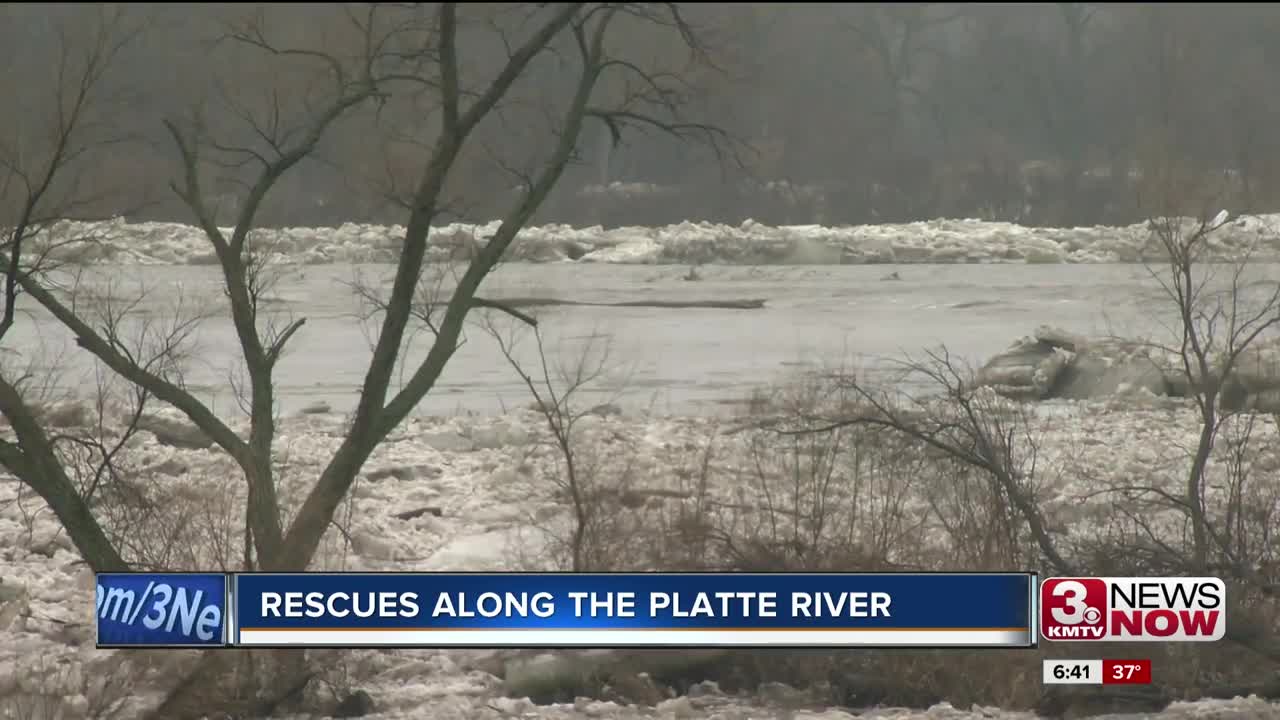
616	610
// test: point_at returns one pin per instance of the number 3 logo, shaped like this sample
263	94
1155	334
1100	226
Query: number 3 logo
1073	594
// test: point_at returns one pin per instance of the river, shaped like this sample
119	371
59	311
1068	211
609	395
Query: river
668	360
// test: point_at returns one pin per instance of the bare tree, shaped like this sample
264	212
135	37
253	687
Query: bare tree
964	422
387	53
655	105
1218	322
43	160
900	40
898	36
557	390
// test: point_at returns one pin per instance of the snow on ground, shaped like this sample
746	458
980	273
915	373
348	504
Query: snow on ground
467	493
933	241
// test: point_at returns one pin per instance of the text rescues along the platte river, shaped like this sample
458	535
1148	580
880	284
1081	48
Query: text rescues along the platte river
585	604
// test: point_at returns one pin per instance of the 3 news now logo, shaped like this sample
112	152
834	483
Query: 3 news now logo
1133	609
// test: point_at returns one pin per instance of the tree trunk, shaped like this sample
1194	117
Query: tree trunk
35	464
1195	483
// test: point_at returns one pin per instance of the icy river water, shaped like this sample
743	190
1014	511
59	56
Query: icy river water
681	361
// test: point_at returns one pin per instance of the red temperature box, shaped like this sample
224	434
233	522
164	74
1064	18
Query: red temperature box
1126	672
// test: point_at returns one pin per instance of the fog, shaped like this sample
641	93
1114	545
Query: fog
1044	114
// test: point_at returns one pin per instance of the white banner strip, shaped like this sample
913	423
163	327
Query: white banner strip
610	638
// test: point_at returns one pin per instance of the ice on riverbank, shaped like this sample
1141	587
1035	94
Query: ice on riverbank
934	241
481	486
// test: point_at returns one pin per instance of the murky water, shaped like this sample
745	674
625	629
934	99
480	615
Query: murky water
670	360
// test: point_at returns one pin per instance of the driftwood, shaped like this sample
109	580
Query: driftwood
750	304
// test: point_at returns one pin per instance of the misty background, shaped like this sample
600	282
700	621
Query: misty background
1041	114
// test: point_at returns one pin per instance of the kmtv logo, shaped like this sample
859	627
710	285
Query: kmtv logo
1133	609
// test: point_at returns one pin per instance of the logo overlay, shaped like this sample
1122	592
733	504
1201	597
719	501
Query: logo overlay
1102	609
161	609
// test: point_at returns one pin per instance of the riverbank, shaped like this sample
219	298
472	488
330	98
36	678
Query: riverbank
476	493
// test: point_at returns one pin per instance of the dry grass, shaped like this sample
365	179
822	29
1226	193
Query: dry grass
749	496
58	690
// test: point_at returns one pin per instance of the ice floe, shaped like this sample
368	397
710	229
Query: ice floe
689	242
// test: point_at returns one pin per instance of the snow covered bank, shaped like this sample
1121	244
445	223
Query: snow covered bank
934	241
469	493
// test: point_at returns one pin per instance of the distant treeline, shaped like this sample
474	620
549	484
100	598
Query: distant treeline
1043	114
1033	194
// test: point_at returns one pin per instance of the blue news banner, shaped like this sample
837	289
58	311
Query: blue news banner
495	610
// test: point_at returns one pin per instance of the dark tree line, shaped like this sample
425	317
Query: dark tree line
1052	113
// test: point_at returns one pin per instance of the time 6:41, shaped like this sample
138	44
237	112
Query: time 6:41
1073	672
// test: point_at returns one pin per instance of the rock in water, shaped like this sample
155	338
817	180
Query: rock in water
1057	364
1107	368
1027	370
